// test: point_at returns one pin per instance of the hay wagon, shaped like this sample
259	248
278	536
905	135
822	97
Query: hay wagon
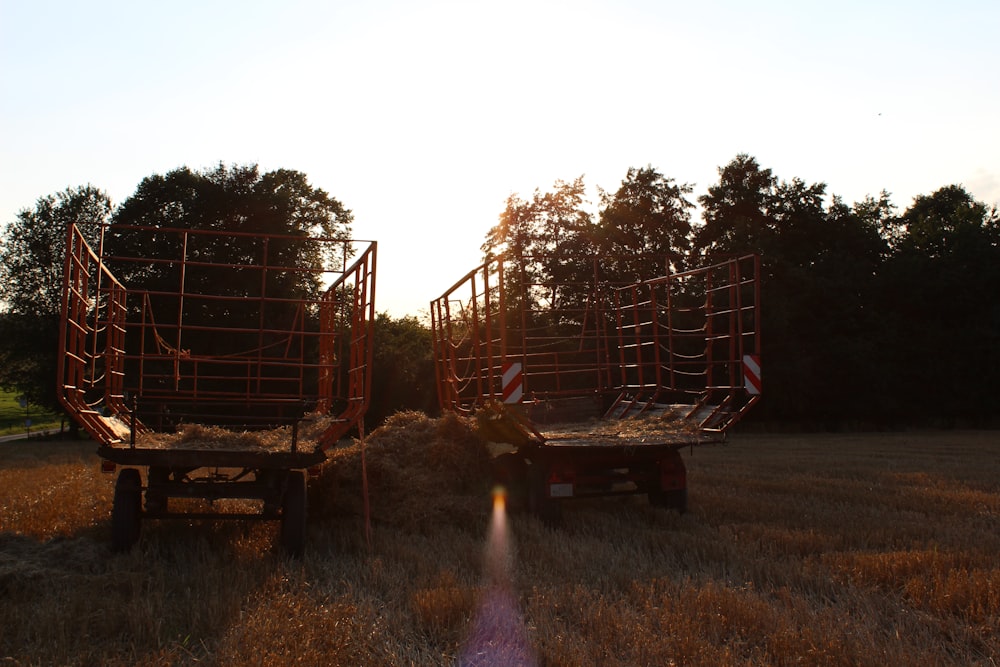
590	387
214	368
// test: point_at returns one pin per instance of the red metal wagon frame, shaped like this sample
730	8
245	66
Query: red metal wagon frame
686	343
137	359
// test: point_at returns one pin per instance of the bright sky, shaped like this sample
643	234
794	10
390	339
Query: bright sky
422	117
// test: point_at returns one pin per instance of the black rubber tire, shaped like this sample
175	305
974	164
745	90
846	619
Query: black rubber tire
293	515
126	511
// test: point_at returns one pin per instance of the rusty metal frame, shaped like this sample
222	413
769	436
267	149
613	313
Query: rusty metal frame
676	340
125	347
92	338
682	339
469	338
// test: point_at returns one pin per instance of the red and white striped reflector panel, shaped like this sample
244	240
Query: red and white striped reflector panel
513	382
751	374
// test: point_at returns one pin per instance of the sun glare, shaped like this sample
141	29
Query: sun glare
499	503
498	635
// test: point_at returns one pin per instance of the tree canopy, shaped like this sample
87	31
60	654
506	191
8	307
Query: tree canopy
645	225
32	249
548	238
871	316
32	254
236	200
239	201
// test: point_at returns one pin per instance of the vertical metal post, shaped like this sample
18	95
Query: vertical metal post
637	323
180	312
709	331
132	422
735	359
756	305
476	352
655	323
670	333
261	318
493	382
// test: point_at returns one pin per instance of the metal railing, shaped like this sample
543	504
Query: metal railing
686	338
680	339
163	326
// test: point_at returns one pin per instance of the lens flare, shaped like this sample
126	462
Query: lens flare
498	635
497	554
499	501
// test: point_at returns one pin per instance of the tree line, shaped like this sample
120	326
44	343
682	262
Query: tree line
871	317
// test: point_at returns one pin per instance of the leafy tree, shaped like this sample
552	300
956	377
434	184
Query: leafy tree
841	286
544	240
515	238
939	288
948	225
818	268
881	215
737	211
32	255
402	368
256	220
869	316
645	226
234	200
543	224
33	250
563	219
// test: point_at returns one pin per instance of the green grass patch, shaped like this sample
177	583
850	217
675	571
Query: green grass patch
13	415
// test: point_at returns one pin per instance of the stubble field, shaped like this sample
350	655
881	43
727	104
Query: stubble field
856	549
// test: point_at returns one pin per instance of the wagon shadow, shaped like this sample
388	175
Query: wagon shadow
178	593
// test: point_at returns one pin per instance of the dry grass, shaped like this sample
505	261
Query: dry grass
812	550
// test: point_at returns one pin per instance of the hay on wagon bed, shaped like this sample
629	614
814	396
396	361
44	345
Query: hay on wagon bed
647	428
501	423
203	437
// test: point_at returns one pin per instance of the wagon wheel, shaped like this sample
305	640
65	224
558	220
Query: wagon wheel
293	515
126	511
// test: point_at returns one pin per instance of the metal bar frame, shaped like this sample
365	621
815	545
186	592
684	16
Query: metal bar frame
668	346
314	355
